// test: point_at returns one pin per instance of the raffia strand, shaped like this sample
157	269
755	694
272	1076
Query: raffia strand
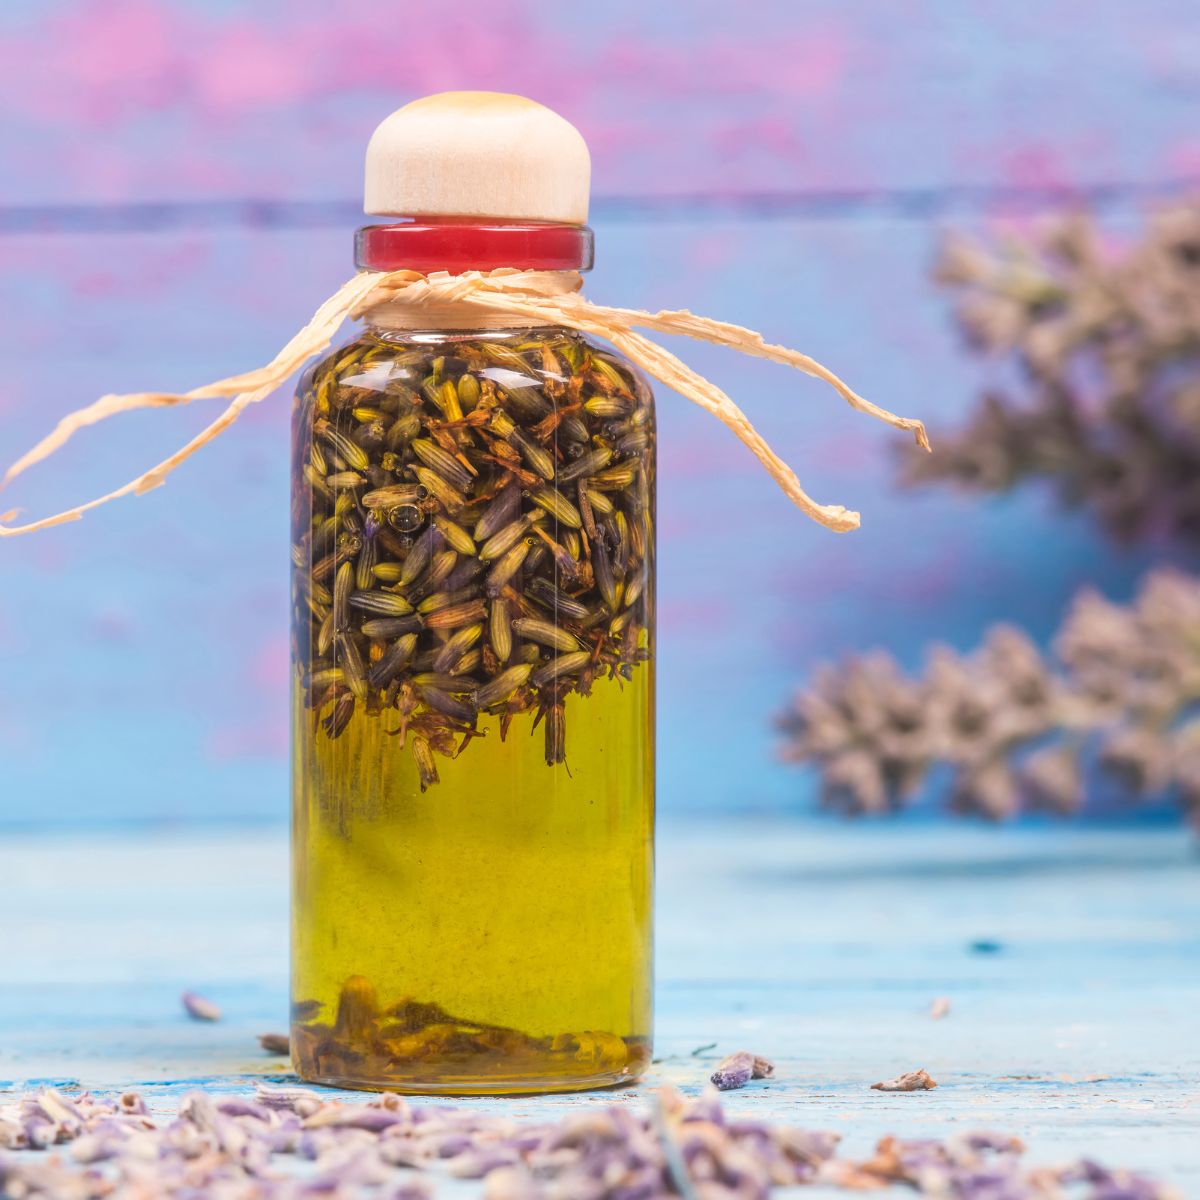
551	297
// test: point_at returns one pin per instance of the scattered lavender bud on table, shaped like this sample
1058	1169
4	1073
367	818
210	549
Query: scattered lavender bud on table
910	1081
939	1008
737	1069
734	1071
223	1147
275	1043
763	1067
199	1008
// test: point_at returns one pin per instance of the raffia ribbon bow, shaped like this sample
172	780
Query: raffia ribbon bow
542	296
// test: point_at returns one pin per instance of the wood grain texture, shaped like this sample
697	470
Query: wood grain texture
816	945
116	100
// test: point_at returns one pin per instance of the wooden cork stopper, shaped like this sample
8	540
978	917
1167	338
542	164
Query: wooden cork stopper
478	154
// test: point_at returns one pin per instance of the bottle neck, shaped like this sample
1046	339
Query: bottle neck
458	244
559	253
398	315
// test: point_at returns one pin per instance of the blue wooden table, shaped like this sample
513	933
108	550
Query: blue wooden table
1071	959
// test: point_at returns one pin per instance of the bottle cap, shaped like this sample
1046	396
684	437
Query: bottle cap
478	154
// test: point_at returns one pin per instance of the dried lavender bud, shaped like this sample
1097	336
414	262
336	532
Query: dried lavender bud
562	664
555	722
393	660
586	464
292	1098
354	1116
199	1008
557	505
500	512
503	686
457	538
939	1008
454	616
275	1043
444	464
507	565
737	1069
385	604
469	663
504	539
546	634
910	1081
764	1068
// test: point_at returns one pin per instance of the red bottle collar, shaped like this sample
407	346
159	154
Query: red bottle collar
448	244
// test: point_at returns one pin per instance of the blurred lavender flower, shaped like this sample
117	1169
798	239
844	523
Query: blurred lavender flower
1013	727
1109	341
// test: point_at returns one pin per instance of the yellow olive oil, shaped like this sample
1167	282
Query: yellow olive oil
492	933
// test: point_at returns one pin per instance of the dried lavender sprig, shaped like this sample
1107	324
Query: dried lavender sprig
1016	728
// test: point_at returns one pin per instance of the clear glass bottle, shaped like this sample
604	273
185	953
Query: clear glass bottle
473	694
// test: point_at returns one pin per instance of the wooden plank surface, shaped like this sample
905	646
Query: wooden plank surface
132	101
816	944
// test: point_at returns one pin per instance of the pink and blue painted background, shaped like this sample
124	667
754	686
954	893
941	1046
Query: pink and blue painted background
180	185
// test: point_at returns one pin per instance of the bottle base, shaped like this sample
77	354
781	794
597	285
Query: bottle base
451	1058
474	1085
420	1048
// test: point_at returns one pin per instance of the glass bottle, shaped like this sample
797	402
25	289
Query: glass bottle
473	691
